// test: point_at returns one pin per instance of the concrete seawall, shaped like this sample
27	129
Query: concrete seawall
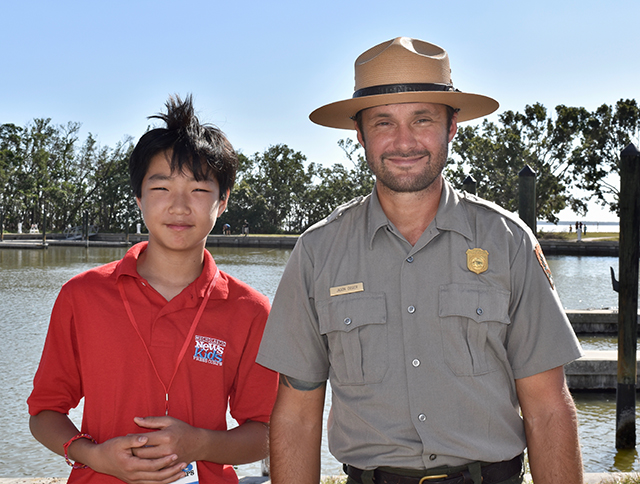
597	370
34	241
594	321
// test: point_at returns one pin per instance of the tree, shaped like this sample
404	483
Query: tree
336	185
42	169
10	160
112	200
494	154
269	191
603	135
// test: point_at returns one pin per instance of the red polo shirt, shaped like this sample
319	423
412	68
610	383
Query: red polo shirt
93	351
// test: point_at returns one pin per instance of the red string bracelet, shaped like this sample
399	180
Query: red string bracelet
66	445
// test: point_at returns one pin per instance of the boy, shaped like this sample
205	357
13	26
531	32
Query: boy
160	342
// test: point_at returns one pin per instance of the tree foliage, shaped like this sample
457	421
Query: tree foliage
574	149
603	134
44	173
45	169
276	193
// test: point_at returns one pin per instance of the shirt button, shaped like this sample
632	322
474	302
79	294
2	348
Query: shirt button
410	259
411	309
479	311
422	417
416	362
347	321
433	457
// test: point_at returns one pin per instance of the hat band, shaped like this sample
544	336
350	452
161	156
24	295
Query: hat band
396	88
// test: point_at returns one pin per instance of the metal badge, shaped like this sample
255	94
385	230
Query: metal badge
477	260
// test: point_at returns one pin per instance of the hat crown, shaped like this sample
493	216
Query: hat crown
402	61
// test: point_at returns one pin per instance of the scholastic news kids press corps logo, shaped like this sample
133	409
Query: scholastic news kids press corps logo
209	350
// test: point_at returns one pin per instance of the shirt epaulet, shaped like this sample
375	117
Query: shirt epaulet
474	199
338	212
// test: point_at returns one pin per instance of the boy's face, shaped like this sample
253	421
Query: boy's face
178	210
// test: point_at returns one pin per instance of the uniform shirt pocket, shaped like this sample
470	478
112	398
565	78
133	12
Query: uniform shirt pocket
473	321
355	326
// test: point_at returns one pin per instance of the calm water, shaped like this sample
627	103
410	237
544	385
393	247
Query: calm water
31	279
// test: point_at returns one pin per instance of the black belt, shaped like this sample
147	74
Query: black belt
491	474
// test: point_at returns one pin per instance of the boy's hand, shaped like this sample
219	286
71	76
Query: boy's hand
117	458
172	437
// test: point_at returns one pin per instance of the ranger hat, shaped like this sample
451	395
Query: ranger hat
403	70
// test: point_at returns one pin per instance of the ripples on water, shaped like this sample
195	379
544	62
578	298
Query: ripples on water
596	414
584	282
30	281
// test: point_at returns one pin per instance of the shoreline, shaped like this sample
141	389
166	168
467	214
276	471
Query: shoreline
591	246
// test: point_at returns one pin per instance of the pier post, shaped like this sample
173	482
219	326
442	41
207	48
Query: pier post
127	222
469	185
527	197
85	223
629	252
44	225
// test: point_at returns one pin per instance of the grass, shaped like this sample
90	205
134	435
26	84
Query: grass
572	236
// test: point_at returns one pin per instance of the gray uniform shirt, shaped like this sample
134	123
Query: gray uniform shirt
422	353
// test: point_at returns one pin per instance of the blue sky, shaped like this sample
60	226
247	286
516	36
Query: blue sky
257	69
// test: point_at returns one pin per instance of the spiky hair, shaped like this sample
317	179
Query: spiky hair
199	148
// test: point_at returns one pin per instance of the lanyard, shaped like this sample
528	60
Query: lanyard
185	345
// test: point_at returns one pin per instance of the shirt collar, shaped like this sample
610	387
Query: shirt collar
451	215
376	217
128	266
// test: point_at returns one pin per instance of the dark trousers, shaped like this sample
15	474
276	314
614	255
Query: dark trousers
473	472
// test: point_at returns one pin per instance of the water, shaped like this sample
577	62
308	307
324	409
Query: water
592	227
31	279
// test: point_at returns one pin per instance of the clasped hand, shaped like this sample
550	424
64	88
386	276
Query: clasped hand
171	437
154	457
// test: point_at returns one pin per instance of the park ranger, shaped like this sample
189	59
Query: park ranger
432	312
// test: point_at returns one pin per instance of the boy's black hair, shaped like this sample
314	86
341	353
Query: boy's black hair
201	148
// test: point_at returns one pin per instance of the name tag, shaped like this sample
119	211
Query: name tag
346	289
190	475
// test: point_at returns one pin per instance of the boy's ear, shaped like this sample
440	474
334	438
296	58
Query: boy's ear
223	204
138	203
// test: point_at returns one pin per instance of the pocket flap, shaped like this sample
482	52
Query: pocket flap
473	301
344	313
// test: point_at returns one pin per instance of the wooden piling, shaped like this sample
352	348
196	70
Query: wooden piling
629	251
527	197
469	185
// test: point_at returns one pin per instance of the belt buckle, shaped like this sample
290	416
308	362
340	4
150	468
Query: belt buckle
437	476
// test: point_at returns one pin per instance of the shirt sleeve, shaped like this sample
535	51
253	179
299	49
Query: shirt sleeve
540	336
57	384
292	343
255	388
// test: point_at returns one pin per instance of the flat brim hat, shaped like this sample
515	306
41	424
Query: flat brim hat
403	70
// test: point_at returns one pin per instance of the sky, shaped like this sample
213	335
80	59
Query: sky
256	69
